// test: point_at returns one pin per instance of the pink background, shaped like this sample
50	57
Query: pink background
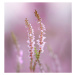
57	19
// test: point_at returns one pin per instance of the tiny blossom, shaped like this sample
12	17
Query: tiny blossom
33	44
41	30
28	46
39	22
28	41
30	34
43	38
38	42
43	44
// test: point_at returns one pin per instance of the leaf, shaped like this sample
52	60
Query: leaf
35	50
36	53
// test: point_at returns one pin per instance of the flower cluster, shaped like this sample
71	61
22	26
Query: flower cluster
31	38
31	41
40	41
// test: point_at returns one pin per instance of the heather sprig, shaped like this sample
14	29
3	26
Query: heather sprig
30	41
31	38
40	41
19	53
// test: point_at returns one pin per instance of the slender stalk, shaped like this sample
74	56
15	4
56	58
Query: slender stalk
55	59
19	52
40	65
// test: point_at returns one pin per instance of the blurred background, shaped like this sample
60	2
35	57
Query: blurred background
57	17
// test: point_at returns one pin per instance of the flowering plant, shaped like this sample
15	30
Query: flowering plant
31	41
33	51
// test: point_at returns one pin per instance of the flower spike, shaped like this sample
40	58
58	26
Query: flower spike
40	41
30	41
